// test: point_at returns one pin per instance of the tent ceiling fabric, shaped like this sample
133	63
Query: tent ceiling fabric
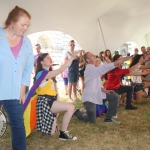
96	25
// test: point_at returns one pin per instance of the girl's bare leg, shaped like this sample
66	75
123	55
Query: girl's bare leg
63	107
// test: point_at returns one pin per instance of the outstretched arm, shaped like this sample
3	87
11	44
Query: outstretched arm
144	67
106	91
121	60
107	67
63	67
145	72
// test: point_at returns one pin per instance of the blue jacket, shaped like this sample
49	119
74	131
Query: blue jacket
14	72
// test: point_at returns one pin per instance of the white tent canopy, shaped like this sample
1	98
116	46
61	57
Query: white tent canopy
95	24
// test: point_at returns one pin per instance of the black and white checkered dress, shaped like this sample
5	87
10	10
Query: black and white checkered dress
45	117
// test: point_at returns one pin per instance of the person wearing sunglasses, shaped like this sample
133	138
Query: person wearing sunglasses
73	72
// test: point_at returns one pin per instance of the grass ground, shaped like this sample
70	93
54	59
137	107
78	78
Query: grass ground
132	134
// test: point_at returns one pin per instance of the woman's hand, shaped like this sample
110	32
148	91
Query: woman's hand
147	71
107	91
75	55
22	94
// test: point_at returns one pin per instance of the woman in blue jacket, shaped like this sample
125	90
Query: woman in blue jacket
16	63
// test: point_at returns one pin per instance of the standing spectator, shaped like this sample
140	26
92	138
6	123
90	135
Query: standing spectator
108	56
102	58
15	73
73	72
143	49
135	52
82	64
148	49
38	50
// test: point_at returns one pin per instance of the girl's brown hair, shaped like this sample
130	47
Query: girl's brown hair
110	56
116	56
39	65
14	15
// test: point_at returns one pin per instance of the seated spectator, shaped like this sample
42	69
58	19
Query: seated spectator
47	105
92	94
73	72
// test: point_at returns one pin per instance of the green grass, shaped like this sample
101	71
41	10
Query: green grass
132	134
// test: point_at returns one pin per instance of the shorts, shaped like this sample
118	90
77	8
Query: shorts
50	99
65	81
138	87
73	77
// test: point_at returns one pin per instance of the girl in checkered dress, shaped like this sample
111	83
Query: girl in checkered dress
47	106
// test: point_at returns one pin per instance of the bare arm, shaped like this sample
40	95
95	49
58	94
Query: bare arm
144	67
134	67
137	65
108	60
121	60
62	68
144	79
134	73
65	59
82	64
58	71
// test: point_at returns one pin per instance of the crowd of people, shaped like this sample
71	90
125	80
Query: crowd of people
80	66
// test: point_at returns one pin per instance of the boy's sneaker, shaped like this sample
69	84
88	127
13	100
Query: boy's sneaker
130	107
111	121
65	136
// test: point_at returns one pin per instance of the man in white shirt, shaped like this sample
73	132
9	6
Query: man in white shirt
93	93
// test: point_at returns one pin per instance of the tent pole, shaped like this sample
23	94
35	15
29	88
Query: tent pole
102	32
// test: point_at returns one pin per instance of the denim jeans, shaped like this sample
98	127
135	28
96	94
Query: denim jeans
15	115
